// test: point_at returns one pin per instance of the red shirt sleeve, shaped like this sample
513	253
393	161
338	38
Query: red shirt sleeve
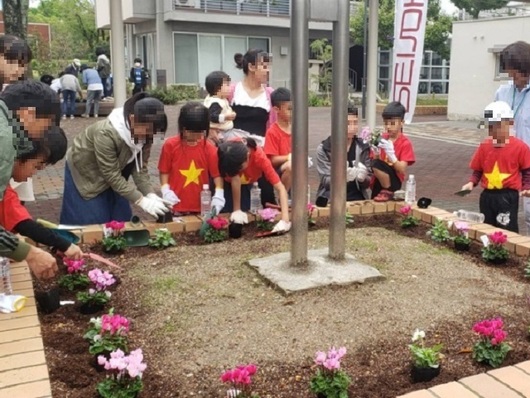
11	210
272	144
165	161
213	160
405	152
263	162
476	161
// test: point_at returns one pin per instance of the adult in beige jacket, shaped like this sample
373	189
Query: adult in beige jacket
103	157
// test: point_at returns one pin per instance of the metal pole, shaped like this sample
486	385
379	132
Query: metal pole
365	54
339	120
117	53
371	88
299	73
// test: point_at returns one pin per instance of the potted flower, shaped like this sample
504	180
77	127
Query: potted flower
330	381
215	230
162	239
491	347
113	241
370	137
461	240
240	379
266	218
107	333
426	360
409	220
310	209
95	298
494	251
125	374
75	278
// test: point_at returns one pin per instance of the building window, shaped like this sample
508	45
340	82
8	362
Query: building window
196	55
500	72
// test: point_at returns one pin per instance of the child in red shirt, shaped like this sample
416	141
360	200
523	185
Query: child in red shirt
188	161
393	155
502	166
278	137
242	163
14	217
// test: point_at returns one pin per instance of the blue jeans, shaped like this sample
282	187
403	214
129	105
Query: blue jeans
105	207
68	106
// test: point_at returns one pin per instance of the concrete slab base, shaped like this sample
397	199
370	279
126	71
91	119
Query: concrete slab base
321	271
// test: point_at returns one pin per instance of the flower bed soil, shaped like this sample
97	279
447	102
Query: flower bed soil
191	331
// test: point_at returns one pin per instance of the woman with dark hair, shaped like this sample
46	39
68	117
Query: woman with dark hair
251	101
104	156
15	56
241	163
188	161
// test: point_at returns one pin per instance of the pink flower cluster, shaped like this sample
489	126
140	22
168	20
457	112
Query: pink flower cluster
366	134
217	222
268	214
115	324
239	376
74	266
126	365
115	225
405	210
462	227
310	208
331	361
498	238
101	279
491	329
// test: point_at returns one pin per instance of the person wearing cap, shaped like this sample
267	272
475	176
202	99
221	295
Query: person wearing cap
73	68
501	165
94	89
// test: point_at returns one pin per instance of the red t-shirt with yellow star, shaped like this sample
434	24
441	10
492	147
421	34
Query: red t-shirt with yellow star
189	167
501	166
258	164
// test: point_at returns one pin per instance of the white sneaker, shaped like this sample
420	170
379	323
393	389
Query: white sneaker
71	117
85	116
96	116
63	117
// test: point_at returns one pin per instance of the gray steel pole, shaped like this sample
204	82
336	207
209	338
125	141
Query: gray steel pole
299	73
117	53
371	87
365	54
339	121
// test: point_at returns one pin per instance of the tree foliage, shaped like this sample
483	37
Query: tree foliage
73	33
474	7
16	17
437	30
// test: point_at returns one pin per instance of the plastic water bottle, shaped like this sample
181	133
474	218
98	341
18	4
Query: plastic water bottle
206	200
5	277
255	198
470	216
410	190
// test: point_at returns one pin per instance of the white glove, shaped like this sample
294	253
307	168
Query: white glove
359	173
309	162
239	217
388	146
153	206
11	303
282	226
218	200
168	194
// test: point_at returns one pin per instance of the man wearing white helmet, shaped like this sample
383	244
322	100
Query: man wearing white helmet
501	165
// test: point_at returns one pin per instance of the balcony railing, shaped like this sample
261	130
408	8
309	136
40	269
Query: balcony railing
265	8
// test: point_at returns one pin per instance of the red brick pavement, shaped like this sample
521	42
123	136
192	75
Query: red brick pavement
441	167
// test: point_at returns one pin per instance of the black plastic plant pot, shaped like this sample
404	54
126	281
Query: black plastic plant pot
88	309
498	261
48	300
113	251
235	230
165	218
462	247
424	374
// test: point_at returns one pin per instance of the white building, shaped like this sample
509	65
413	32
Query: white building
475	62
190	38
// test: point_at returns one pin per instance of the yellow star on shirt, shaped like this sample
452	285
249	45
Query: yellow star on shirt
495	178
244	179
192	174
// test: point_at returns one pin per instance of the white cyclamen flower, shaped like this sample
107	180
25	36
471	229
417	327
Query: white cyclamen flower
418	334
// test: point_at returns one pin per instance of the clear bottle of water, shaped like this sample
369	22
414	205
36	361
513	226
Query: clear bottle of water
206	200
470	216
255	198
5	277
410	190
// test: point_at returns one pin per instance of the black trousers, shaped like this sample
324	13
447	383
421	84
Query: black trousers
500	208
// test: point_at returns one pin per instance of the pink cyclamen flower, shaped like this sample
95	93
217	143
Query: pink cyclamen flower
115	225
365	134
320	357
498	238
462	226
115	324
268	214
405	210
499	336
74	266
101	279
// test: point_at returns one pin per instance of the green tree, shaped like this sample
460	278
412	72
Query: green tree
16	17
437	30
474	7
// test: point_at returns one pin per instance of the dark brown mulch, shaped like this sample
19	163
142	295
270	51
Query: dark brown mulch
377	371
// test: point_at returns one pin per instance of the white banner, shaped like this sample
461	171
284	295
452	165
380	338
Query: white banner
409	33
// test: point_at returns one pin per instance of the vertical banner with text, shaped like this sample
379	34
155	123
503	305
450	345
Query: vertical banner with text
409	33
